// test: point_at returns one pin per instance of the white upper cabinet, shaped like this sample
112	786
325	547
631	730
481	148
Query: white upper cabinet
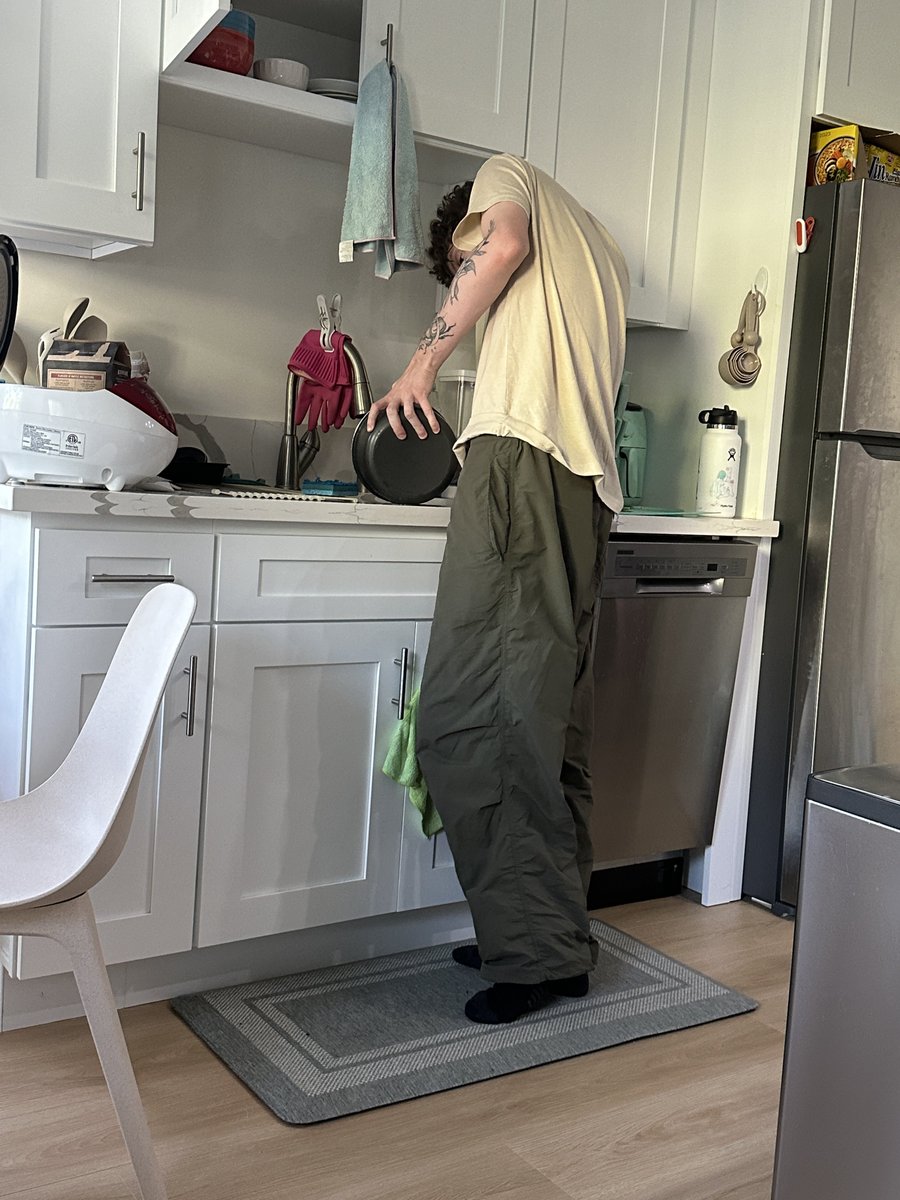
618	116
466	66
78	93
858	80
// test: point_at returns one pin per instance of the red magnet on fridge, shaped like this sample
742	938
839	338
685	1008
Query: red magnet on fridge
803	231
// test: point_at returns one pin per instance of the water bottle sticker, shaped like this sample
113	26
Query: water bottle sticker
724	485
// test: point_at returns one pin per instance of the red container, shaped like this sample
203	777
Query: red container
137	391
230	46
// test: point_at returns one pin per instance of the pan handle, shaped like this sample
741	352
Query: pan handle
403	663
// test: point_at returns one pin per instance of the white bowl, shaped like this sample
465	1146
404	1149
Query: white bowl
283	71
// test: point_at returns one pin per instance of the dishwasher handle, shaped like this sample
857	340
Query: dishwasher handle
651	586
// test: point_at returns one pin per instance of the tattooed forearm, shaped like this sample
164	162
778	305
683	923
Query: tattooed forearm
436	332
468	266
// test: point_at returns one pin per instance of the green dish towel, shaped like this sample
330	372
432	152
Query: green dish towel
381	211
402	765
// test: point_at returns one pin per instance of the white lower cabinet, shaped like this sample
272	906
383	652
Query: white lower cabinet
300	828
427	871
272	813
145	904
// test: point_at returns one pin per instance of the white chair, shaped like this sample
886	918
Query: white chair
63	837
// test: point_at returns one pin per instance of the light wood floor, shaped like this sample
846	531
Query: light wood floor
687	1116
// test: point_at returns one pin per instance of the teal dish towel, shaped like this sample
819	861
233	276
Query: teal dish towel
402	765
382	211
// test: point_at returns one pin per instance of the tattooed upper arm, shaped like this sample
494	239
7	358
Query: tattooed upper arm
468	266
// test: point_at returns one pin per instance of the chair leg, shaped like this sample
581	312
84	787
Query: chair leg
73	924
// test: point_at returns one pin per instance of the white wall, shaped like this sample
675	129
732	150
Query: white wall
751	189
245	239
761	100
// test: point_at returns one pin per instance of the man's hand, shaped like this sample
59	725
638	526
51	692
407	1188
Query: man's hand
409	393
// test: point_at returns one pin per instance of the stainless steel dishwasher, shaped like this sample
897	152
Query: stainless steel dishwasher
668	637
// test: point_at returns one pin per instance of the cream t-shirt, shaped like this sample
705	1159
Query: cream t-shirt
554	344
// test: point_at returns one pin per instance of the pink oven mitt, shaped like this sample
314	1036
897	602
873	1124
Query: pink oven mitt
325	366
326	394
319	403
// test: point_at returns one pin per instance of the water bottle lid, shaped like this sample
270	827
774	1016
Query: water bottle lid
457	376
723	417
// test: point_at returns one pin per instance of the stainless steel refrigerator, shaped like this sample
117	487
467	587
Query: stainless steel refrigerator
830	682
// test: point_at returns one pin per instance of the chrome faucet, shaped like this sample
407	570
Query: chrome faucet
296	455
362	389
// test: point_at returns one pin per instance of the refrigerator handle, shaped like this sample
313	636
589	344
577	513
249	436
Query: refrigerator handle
889	450
877	443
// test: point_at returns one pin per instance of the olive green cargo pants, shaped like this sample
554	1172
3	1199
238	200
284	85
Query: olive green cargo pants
506	710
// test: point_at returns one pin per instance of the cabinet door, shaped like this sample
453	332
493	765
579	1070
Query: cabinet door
145	905
186	23
632	109
427	871
301	828
78	89
858	76
484	46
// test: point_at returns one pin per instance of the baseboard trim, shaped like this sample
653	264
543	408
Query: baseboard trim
55	997
636	881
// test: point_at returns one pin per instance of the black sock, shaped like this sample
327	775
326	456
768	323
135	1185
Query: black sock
467	956
575	985
506	1002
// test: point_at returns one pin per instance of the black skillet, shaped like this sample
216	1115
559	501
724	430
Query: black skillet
9	293
410	470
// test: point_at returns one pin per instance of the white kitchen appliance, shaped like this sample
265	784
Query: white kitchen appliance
94	438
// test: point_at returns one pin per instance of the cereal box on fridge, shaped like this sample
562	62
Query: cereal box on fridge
836	155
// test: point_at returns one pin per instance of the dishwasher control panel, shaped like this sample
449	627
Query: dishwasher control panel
678	568
705	567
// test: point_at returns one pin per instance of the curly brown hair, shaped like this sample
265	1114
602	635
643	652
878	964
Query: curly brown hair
451	211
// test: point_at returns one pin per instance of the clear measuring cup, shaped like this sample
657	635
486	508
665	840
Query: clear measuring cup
453	398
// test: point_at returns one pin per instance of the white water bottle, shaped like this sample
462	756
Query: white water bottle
720	463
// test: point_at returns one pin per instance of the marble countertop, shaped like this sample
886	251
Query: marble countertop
32	498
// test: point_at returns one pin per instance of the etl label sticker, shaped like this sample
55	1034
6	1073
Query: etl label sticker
72	445
58	442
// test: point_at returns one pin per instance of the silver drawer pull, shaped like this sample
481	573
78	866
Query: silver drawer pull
132	579
188	714
403	663
140	153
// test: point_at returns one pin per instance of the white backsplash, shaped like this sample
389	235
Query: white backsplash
251	447
245	239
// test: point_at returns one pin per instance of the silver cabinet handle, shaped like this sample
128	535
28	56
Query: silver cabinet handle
403	663
140	152
132	579
188	714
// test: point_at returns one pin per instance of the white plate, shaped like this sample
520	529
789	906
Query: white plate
341	87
